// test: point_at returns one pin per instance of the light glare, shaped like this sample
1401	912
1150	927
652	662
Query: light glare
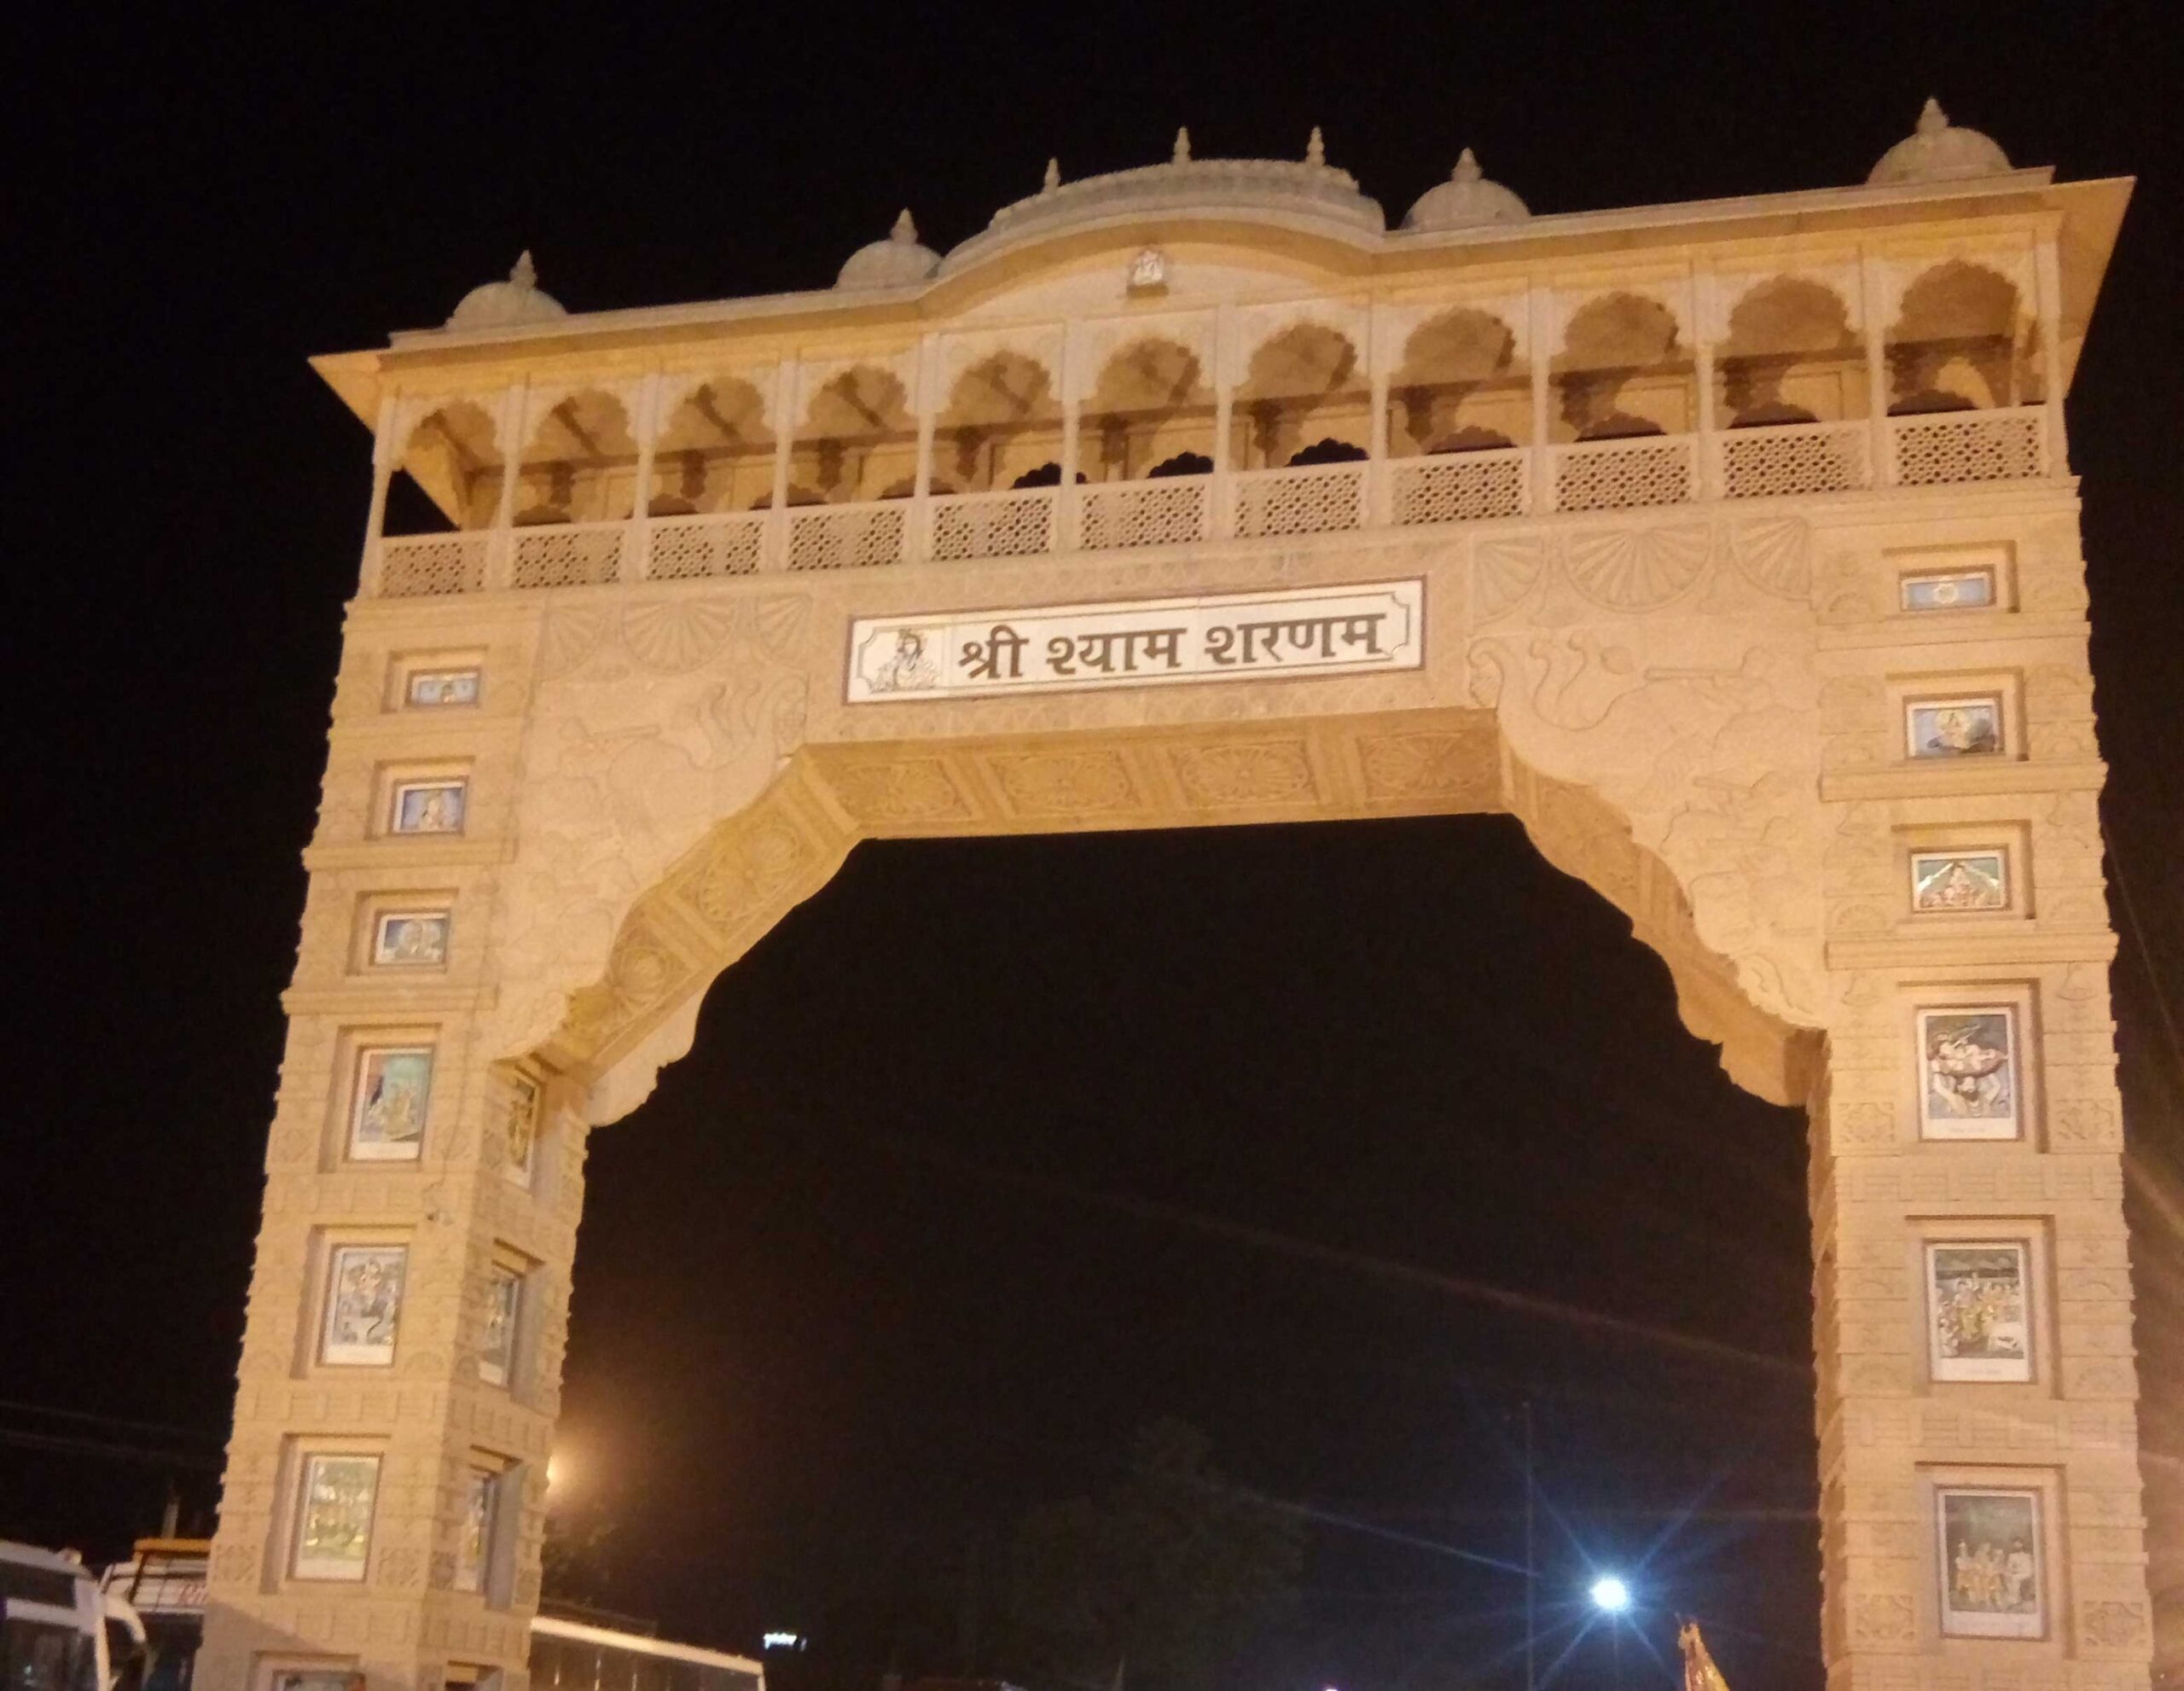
1610	1594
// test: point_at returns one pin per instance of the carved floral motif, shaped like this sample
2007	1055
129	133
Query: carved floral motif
1217	777
1065	783
899	791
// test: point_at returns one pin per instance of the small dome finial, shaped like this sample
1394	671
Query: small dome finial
1053	176
502	305
1465	201
905	230
1181	155
1316	148
1937	150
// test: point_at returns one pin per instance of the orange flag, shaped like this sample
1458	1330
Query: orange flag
1699	1673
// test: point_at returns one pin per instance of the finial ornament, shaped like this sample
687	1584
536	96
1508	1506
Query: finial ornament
1465	201
500	304
1053	176
1315	149
905	230
1937	150
1181	155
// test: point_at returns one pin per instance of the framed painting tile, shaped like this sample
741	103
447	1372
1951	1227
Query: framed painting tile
1969	1085
430	806
1972	590
1954	883
473	1549
440	689
409	940
364	1286
503	1313
1979	1309
1994	1576
1967	726
393	1090
335	1497
526	1099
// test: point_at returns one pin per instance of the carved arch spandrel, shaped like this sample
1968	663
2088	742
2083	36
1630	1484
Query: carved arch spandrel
749	869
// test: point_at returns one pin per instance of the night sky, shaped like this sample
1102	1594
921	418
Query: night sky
996	1150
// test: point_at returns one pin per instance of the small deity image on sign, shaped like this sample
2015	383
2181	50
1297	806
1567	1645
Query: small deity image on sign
429	806
1961	590
435	690
1957	882
1977	1298
503	1304
523	1104
1953	727
333	1517
899	660
1992	1585
409	940
393	1086
1967	1073
471	1548
364	1305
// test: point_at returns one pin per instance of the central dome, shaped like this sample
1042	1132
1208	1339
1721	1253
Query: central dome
1308	191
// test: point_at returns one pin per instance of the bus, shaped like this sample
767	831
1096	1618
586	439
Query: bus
163	1583
62	1633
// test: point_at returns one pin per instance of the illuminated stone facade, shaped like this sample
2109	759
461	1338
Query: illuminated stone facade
1749	564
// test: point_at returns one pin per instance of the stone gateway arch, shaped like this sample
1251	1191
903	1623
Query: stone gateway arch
1731	547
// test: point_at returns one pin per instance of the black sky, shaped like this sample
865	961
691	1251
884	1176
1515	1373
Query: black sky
993	1150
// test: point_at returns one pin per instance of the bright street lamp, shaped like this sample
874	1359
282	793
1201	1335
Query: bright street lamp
1610	1594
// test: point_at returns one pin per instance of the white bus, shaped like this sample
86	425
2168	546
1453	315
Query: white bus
62	1632
567	1655
166	1581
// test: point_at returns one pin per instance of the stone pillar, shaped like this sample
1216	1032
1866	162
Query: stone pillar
788	379
1874	308
1068	503
417	1384
646	421
1227	356
2032	1163
508	431
1538	321
386	455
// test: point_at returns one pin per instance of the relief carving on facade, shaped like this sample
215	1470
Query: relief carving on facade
1705	749
648	724
1222	777
1062	784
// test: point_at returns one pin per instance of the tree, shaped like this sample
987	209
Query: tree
577	1556
1171	1572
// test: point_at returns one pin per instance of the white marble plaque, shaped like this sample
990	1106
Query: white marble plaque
1145	643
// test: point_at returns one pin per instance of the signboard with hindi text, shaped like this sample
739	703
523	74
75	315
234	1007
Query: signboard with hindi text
1145	643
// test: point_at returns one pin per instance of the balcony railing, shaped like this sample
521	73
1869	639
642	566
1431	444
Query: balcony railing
689	548
1625	474
1460	487
1792	458
1121	514
1640	472
1320	499
1017	524
569	554
1958	446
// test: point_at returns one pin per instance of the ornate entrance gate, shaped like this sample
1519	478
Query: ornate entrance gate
1730	547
